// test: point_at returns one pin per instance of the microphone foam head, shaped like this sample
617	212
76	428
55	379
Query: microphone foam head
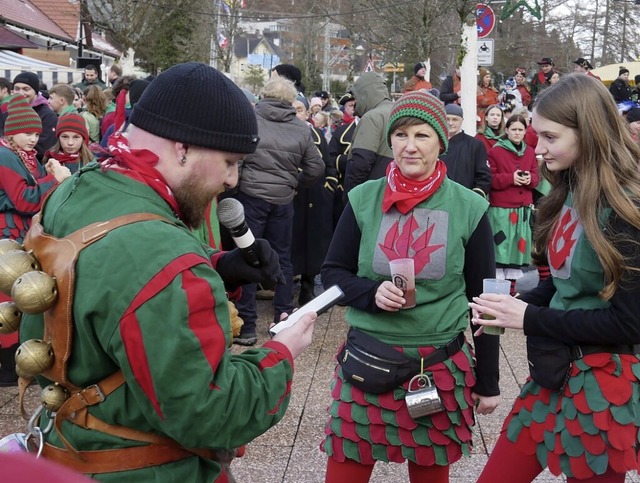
230	212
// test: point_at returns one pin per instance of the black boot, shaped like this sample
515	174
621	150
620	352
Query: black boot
8	376
306	289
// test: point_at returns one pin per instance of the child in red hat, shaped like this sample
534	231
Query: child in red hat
72	149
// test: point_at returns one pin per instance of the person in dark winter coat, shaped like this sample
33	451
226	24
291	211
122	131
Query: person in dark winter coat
619	88
286	157
370	153
312	220
466	158
450	88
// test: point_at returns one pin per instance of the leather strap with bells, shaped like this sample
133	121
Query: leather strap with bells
58	257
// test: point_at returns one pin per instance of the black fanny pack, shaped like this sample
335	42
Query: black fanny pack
550	360
376	367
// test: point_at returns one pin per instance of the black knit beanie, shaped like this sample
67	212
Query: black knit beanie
136	88
29	78
193	103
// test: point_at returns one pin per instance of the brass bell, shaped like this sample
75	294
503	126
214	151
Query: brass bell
7	244
34	292
13	264
33	357
10	317
53	396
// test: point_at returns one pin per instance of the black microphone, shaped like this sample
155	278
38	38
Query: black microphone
231	215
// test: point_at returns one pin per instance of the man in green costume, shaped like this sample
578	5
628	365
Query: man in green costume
151	300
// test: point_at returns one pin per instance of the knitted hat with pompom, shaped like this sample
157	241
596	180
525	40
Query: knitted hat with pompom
425	107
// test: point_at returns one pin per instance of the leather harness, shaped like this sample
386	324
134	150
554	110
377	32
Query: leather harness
58	257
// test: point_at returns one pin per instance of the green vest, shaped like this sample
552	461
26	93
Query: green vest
435	234
577	272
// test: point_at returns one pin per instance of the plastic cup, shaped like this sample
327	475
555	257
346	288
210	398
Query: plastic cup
403	277
494	285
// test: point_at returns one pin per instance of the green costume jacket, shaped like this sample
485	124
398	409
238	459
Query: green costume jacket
149	301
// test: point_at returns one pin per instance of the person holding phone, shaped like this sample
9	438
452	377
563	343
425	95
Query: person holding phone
514	172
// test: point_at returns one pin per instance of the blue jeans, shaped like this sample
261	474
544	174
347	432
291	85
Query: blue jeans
274	223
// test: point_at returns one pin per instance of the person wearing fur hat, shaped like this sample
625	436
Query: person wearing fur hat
72	149
369	420
28	84
151	327
418	80
542	79
487	94
523	86
292	73
24	183
620	88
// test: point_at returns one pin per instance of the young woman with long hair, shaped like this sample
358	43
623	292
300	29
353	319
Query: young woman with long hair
589	233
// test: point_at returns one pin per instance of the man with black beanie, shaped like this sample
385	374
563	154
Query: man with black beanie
155	394
418	81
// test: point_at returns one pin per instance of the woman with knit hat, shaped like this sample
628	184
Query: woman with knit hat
414	212
23	185
487	93
72	149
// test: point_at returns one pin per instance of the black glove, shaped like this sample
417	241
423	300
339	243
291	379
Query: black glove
235	271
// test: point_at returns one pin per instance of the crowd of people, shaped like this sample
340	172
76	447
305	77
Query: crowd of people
333	189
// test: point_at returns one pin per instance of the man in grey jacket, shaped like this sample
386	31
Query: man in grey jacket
286	156
370	154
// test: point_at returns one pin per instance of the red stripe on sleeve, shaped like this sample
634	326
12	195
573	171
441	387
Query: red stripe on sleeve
130	332
202	318
281	400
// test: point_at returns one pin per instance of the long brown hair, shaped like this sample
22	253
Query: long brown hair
605	173
94	101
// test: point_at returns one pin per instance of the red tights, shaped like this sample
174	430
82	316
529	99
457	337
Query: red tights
507	463
353	472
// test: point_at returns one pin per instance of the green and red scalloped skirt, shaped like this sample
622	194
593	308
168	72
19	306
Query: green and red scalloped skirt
377	427
590	426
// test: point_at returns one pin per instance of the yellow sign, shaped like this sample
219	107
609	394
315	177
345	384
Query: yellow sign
392	67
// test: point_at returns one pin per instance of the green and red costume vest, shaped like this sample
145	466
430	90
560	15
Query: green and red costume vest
148	301
367	427
593	424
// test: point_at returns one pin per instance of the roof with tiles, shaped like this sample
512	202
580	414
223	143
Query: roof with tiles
11	40
25	14
64	13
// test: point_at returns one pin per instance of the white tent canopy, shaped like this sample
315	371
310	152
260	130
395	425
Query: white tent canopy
11	64
609	73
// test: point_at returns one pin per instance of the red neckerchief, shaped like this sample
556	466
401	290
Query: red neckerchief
63	157
138	164
406	193
28	158
347	118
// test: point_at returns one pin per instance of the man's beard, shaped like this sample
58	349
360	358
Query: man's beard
193	201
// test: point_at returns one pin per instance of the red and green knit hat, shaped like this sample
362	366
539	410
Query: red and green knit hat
21	118
74	123
423	106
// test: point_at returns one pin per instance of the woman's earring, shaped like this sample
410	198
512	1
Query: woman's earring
183	160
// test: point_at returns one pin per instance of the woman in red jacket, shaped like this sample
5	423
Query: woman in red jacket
514	173
492	128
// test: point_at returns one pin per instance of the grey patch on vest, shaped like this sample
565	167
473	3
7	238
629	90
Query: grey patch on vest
564	272
429	252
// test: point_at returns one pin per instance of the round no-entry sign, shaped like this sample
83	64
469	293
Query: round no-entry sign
485	20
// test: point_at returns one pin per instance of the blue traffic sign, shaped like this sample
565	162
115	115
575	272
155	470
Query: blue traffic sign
485	20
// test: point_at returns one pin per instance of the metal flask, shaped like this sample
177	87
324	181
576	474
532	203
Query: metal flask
424	400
